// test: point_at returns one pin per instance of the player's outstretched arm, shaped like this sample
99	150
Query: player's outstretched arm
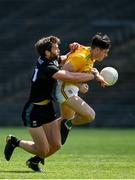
98	77
74	77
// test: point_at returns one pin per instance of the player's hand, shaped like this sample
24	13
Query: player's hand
83	87
99	77
94	71
101	80
73	46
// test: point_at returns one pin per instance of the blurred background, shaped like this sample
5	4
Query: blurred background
23	22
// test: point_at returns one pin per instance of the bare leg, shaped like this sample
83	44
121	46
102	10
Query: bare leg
53	136
77	112
40	145
84	113
46	140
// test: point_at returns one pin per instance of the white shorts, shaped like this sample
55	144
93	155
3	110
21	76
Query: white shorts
65	91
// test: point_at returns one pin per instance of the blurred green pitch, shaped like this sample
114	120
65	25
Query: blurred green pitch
88	154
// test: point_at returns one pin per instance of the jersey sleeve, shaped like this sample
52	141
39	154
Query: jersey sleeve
51	70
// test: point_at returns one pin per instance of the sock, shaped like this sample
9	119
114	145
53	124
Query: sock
68	124
17	142
37	159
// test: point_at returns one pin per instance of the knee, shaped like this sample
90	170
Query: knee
93	115
43	152
90	116
56	146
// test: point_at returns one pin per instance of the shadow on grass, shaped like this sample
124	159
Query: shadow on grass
4	171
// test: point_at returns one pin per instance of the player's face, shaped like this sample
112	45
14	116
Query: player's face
102	54
55	52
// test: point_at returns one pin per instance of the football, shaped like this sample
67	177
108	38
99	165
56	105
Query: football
110	75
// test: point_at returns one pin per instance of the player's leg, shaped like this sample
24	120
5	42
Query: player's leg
84	113
67	96
66	124
44	115
39	146
53	136
63	92
66	112
46	140
54	140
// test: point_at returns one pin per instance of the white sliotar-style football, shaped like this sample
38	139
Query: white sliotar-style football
110	75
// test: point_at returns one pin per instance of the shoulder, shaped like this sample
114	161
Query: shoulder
49	65
51	68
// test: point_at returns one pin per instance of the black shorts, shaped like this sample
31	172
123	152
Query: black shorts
37	115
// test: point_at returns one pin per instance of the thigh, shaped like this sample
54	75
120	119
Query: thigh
78	105
65	90
39	137
66	111
52	131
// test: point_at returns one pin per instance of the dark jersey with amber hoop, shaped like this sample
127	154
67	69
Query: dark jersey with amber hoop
42	82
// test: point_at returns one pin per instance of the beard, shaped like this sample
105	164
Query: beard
54	56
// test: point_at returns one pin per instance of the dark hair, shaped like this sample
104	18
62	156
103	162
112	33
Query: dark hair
101	40
45	43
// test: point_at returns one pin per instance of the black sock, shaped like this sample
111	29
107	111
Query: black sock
64	130
17	142
37	159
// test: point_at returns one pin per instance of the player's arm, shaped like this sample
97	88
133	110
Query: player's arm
83	87
98	77
72	48
62	59
74	77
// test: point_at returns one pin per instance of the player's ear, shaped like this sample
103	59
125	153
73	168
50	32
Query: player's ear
96	50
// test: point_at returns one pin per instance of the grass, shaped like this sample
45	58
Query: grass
88	154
